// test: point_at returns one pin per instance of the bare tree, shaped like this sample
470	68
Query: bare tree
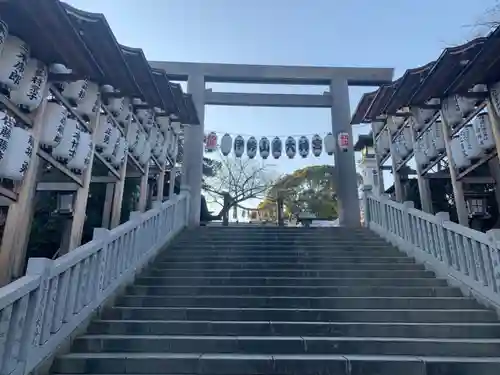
487	22
238	180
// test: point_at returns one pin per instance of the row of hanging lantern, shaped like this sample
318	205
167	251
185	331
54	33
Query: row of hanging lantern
23	80
275	147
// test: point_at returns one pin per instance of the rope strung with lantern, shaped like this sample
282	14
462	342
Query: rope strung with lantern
275	147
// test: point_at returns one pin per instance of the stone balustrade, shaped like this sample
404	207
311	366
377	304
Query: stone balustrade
40	311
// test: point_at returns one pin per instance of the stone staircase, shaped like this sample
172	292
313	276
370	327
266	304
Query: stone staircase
269	300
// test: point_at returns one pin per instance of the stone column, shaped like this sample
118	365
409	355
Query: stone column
345	166
193	149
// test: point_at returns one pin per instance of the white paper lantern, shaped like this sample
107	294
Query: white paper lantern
81	160
385	142
407	138
146	154
4	32
377	126
317	145
276	147
132	135
89	106
145	117
17	158
175	148
457	152
54	120
420	156
400	150
121	150
126	111
264	148
13	60
211	142
75	92
159	145
7	123
416	125
140	145
469	143
176	127
172	144
28	94
437	137
162	159
484	132
423	116
226	143
466	105
102	139
329	144
239	146
66	149
164	123
153	136
303	146
109	150
495	97
393	124
430	149
451	111
251	147
290	147
115	105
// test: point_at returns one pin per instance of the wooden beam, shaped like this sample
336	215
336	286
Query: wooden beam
458	190
379	189
143	190
57	186
160	182
423	184
20	216
116	212
80	205
108	205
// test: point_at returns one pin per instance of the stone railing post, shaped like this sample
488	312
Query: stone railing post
367	189
187	190
407	227
443	238
494	235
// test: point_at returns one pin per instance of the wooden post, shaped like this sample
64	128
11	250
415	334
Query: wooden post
82	194
380	173
108	205
423	183
458	190
143	190
171	184
160	182
116	211
398	186
20	216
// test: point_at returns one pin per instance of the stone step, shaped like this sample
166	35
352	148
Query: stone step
241	364
271	256
250	282
299	302
283	246
297	291
297	315
284	265
286	345
295	271
277	328
410	274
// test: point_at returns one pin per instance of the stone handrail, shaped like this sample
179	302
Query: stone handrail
468	258
40	311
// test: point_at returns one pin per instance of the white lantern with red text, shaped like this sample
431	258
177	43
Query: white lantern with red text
211	142
343	141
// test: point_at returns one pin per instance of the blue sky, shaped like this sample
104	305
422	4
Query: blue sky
383	33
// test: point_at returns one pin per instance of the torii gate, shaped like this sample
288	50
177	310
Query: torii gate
337	78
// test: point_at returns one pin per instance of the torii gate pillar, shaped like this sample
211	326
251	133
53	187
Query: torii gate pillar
192	165
345	166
